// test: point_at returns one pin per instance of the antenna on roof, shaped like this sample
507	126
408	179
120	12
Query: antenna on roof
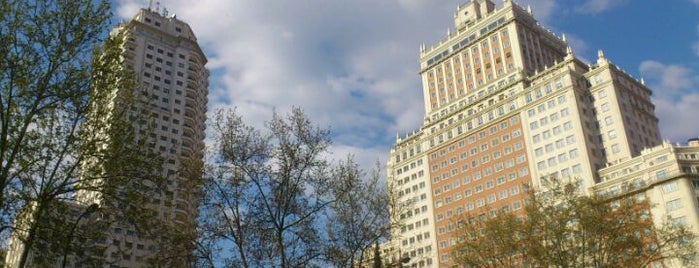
150	4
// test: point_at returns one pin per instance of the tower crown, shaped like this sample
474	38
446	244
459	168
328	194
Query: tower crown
470	12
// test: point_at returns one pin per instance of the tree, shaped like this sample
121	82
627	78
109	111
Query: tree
377	256
44	88
63	130
269	193
266	190
44	92
360	217
561	227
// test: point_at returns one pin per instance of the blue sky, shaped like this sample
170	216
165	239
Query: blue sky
352	65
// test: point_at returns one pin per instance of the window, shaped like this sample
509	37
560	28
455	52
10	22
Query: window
549	147
491	198
516	133
523	172
559	144
536	138
670	187
546	134
678	222
565	112
568	125
468	193
539	151
562	157
615	148
561	99
573	153
673	204
557	130
565	172
505	137
516	205
553	117
602	94
514	190
608	120
531	112
490	184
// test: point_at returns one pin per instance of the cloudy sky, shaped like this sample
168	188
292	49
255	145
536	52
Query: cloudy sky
352	65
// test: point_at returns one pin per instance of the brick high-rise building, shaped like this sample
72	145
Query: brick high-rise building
507	103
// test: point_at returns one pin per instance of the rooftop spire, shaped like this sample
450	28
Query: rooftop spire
601	60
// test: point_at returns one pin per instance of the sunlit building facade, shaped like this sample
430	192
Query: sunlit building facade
172	89
667	175
507	104
173	82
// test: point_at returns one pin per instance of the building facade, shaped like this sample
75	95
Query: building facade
667	175
169	114
507	103
170	69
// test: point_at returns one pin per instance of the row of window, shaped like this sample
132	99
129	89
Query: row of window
493	130
415	225
478	188
496	154
406	168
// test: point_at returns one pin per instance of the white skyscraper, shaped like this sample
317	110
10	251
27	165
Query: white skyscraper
169	116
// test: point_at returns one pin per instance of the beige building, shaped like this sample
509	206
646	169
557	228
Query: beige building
506	104
667	175
389	253
68	225
170	68
409	176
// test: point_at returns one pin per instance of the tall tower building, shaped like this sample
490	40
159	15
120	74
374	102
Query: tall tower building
169	116
170	69
507	105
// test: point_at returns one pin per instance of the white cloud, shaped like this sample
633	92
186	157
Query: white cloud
675	116
351	65
667	79
675	98
598	6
